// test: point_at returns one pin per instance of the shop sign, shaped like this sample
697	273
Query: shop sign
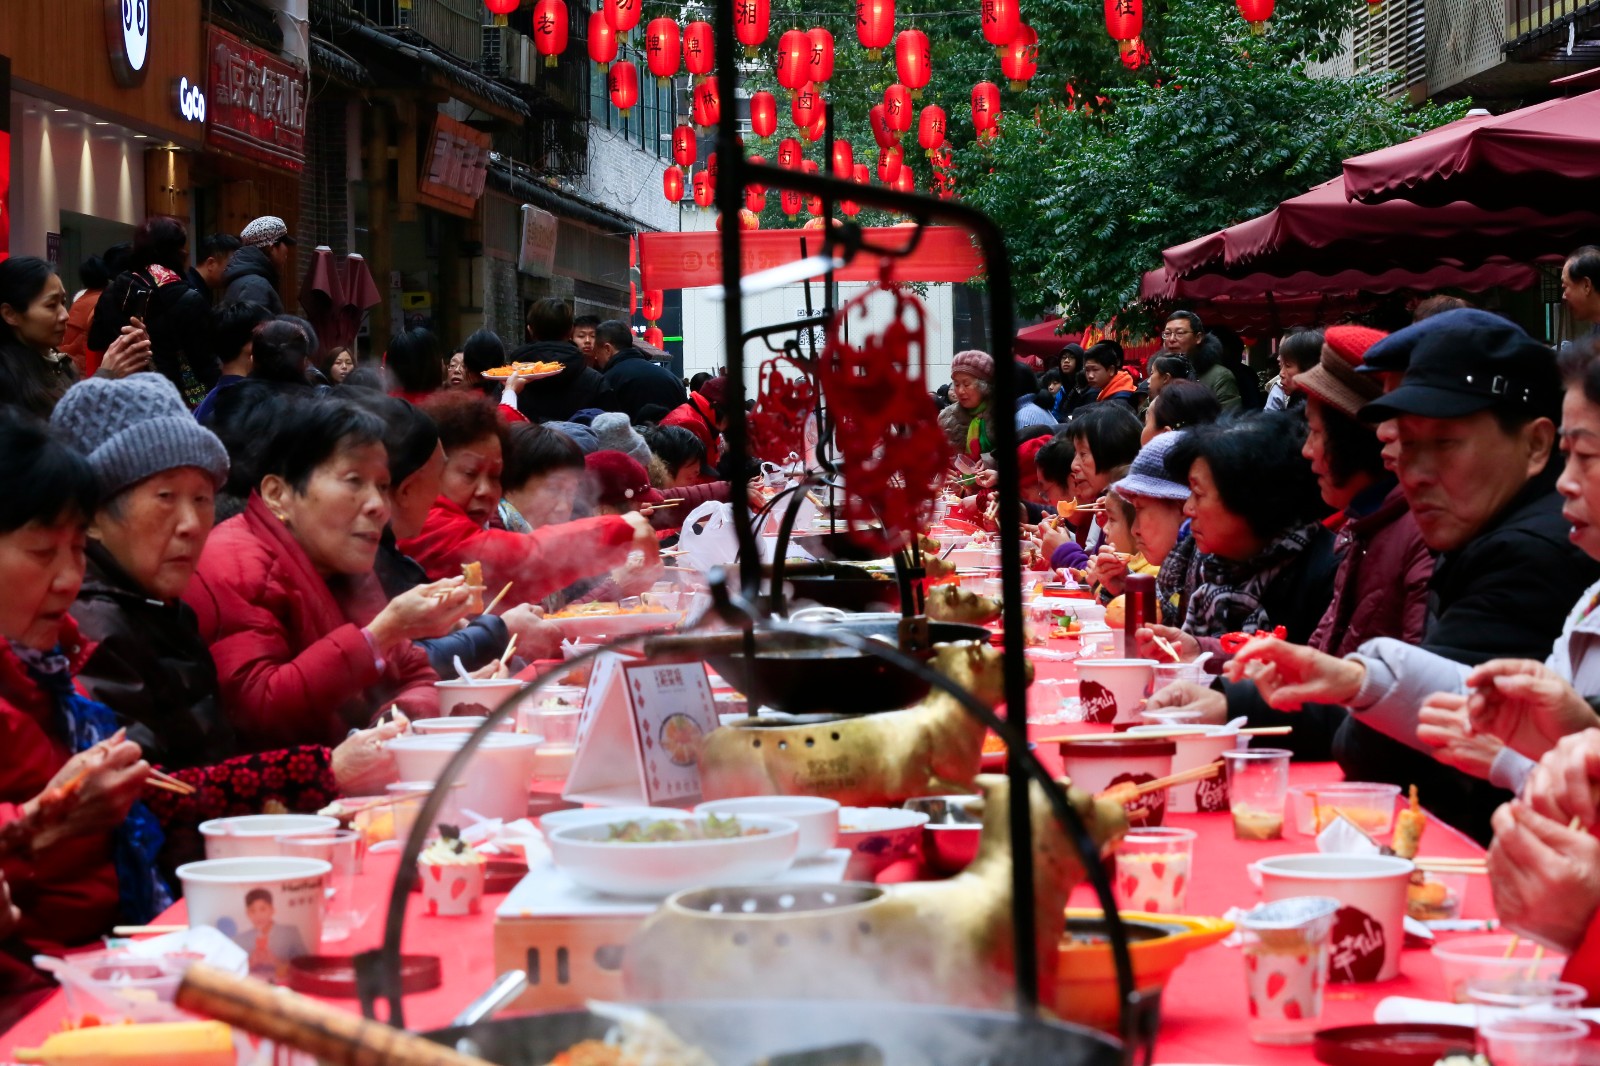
128	38
189	101
455	167
538	254
256	103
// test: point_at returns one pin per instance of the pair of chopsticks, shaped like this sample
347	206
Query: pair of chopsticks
444	593
1166	646
1176	731
1451	866
1538	949
168	783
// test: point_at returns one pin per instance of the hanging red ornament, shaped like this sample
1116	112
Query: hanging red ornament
897	107
662	49
785	399
749	219
1133	59
1124	22
849	208
705	190
881	133
622	14
813	203
861	176
1256	12
844	163
819	60
623	81
756	187
814	133
1021	60
763	114
501	8
913	60
789	153
806	107
750	21
683	146
633	299
654	337
875	26
602	41
792	202
930	128
794	51
1001	19
985	106
707	106
890	162
672	184
906	181
711	166
699	48
654	300
550	29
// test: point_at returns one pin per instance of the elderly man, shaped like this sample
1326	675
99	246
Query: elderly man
1472	427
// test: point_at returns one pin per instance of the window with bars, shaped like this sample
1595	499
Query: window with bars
649	123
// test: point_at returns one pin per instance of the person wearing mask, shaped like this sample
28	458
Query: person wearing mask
1298	351
417	363
1184	335
631	381
550	333
583	336
208	274
1181	404
233	331
703	415
255	272
95	277
1103	372
1471	429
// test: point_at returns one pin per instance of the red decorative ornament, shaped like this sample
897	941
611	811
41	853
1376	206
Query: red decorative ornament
819	61
763	114
875	26
707	107
905	181
623	81
881	132
1256	12
654	337
683	146
749	219
913	60
705	191
672	184
785	398
792	202
794	52
1133	59
654	300
930	128
806	107
759	190
633	299
1124	22
602	41
663	49
789	153
1001	19
699	48
844	163
897	107
985	106
550	29
890	162
1021	60
814	132
750	21
622	14
711	166
501	8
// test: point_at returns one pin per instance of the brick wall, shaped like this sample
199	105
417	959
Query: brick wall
627	179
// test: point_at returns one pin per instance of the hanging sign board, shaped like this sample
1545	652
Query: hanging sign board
537	256
454	168
256	103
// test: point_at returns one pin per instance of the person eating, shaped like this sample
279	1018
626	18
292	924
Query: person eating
1158	499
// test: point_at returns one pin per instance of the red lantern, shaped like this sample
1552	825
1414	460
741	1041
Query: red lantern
683	146
1001	19
699	48
814	133
672	184
1133	59
881	133
711	166
653	301
756	187
662	49
755	201
807	107
654	337
844	163
792	202
897	108
705	190
550	29
875	26
930	128
794	51
1124	22
850	208
633	299
749	219
623	81
985	105
750	20
1256	12
707	108
501	8
1022	58
763	114
890	163
789	153
819	60
906	181
602	41
622	14
913	60
813	203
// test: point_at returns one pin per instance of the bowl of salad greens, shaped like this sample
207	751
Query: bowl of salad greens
655	857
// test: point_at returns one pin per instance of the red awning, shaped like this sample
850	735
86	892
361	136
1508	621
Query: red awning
1545	157
1161	286
1042	339
694	260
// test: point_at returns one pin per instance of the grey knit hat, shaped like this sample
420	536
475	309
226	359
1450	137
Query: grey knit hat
615	433
135	428
581	435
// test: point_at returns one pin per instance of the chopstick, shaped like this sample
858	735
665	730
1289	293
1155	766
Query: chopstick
169	779
511	646
384	801
1538	949
1127	792
1466	871
664	504
1166	645
139	930
498	597
1176	731
1453	862
175	787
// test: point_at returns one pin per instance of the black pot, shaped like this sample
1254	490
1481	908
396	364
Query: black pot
831	584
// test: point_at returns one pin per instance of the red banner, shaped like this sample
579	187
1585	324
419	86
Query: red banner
694	260
257	104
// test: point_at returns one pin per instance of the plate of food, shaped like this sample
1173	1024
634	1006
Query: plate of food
657	857
589	621
530	371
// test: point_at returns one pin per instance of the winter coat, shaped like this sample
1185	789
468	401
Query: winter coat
537	564
956	421
632	383
149	665
670	519
1223	385
477	643
557	399
179	323
293	662
698	418
75	342
1288	584
1120	387
252	279
1030	414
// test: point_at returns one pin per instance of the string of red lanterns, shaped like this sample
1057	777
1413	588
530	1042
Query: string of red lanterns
662	49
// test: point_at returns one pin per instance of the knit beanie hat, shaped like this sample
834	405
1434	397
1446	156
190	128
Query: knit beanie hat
616	434
979	364
618	480
134	428
1336	380
582	436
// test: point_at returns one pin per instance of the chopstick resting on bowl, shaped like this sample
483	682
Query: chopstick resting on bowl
1127	792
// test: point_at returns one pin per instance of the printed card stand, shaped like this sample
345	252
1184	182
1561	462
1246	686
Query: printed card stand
640	733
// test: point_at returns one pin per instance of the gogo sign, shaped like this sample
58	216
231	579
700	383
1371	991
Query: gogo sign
190	101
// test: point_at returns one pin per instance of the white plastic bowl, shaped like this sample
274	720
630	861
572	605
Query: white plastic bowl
818	818
494	785
657	870
256	835
475	698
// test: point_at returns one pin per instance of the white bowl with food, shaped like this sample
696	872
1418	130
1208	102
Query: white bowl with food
879	837
256	835
596	621
495	782
657	857
817	817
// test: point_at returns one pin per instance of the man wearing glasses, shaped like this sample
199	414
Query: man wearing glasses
1185	336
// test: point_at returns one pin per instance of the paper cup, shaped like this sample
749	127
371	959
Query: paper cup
451	890
1286	966
271	907
1197	746
256	835
494	785
474	698
1368	930
1096	765
1114	690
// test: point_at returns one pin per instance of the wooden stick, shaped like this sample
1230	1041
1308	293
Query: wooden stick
141	930
177	789
1453	862
185	786
664	504
1465	871
498	597
1199	773
1175	731
1166	645
511	646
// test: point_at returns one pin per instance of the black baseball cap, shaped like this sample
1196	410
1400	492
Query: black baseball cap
1462	362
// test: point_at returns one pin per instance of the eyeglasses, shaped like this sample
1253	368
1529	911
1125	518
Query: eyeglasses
1167	334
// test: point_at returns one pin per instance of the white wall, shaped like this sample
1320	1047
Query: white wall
63	162
628	179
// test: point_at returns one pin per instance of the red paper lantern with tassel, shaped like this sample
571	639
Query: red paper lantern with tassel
654	299
819	61
913	60
794	52
705	190
881	133
749	219
905	181
897	107
699	48
1124	22
1000	19
890	163
623	81
501	8
806	107
792	202
751	19
672	184
602	41
875	26
985	106
755	201
654	337
844	163
707	106
622	14
930	128
763	114
814	133
683	146
550	29
1021	60
1256	13
662	49
789	153
1133	59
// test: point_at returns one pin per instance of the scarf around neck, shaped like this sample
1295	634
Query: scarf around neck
1228	599
978	442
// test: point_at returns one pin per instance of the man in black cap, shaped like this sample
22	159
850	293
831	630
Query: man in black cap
1472	430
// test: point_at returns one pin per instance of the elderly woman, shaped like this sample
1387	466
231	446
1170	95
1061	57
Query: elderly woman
458	528
305	645
968	421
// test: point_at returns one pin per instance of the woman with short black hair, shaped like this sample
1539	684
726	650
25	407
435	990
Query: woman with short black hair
416	361
1180	405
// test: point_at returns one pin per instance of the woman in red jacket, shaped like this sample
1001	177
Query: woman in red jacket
459	530
285	595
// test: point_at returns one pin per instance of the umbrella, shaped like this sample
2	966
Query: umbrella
1546	157
1043	341
360	293
321	295
1162	286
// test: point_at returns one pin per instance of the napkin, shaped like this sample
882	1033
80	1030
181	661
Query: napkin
1405	1009
213	948
1344	837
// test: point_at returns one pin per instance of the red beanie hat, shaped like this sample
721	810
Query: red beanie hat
619	480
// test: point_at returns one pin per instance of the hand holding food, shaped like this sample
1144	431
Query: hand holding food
1408	828
424	611
1566	783
1292	675
1525	704
537	638
1545	876
1186	696
952	603
362	764
1149	640
1110	569
1443	725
